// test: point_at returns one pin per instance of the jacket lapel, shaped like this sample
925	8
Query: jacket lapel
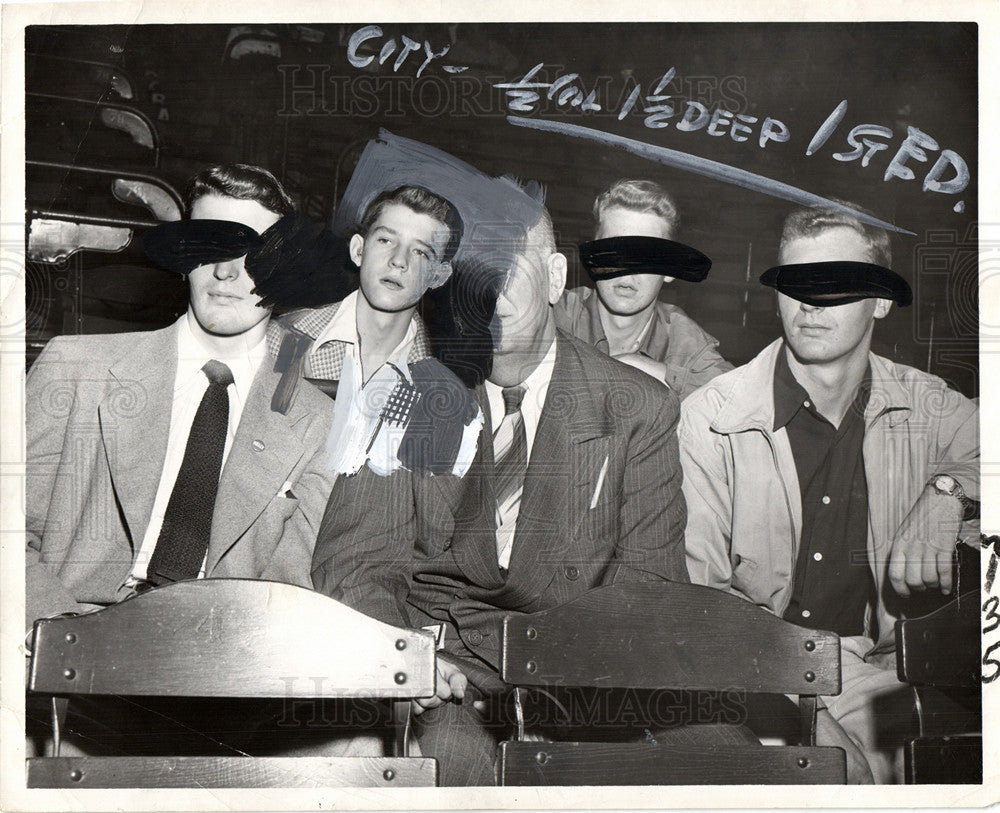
135	422
474	542
264	453
567	457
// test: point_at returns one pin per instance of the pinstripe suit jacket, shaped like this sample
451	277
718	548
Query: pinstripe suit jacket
419	550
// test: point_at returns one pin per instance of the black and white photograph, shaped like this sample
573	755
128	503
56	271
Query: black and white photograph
470	407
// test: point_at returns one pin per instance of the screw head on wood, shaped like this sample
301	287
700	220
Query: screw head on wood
541	757
810	677
810	646
70	637
531	666
531	633
400	644
803	762
76	775
388	774
69	674
400	678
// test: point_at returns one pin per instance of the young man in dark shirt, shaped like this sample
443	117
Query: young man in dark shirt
822	479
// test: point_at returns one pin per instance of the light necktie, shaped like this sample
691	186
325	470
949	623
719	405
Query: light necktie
510	456
187	521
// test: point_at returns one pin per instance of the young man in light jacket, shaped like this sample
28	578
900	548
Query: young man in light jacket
622	315
827	483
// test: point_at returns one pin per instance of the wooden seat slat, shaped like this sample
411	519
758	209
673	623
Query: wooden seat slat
231	772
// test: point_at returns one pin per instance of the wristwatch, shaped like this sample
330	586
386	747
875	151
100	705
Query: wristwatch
946	484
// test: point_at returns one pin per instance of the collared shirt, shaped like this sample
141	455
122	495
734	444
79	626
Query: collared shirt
833	586
915	426
190	384
343	327
536	388
589	327
366	426
313	322
671	337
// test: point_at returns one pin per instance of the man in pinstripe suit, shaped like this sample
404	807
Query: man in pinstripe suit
576	485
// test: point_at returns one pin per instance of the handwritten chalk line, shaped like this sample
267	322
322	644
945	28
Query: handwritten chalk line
700	166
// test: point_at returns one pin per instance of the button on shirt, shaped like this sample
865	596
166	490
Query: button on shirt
536	387
833	584
190	383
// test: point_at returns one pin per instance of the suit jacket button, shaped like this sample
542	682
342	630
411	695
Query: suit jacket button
572	573
475	637
258	445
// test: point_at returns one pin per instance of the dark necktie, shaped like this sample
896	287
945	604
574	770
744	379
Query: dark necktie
187	522
510	456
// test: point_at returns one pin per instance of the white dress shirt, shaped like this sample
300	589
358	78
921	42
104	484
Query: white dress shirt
536	387
190	384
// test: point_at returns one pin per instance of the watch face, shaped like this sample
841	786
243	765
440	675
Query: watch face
944	483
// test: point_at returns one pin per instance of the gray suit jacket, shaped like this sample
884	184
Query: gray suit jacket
97	417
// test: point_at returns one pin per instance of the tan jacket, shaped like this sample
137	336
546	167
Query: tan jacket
742	490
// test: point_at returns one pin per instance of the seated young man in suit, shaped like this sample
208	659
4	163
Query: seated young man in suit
623	315
154	457
576	484
827	483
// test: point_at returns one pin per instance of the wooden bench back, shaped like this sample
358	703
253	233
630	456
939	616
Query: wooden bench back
668	635
230	638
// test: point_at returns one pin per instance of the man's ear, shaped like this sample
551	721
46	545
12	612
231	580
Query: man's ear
440	275
357	248
882	307
557	275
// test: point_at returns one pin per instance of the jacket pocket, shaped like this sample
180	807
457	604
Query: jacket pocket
745	578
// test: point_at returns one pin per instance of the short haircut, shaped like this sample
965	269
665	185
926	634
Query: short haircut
423	202
542	236
639	196
810	222
243	182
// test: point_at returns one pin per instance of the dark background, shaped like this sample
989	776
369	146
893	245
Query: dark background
285	97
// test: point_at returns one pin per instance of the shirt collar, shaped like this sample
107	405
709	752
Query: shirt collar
343	327
192	355
748	393
314	321
656	339
652	340
790	396
538	381
536	387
